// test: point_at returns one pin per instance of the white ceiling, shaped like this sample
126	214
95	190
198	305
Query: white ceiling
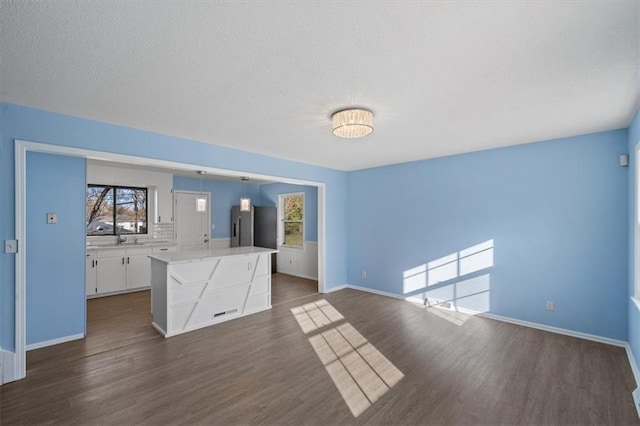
441	77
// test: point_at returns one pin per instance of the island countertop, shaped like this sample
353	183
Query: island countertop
198	255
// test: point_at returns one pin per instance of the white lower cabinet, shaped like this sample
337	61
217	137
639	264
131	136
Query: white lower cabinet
138	266
91	277
111	274
116	270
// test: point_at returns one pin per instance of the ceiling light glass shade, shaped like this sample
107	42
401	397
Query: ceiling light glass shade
245	204
352	123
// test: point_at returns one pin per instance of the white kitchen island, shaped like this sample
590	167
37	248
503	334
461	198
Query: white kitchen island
195	289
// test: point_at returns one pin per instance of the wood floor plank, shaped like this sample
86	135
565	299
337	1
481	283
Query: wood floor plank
262	369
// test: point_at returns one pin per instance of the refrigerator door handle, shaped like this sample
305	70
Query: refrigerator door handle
235	225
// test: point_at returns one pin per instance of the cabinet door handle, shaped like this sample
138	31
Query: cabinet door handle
123	260
93	263
128	260
96	263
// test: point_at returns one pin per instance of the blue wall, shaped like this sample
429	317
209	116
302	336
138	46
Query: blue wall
55	253
556	212
224	195
269	193
633	312
17	122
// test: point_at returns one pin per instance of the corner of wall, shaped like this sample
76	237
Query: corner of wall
7	367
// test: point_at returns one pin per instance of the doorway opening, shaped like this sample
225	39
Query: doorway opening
17	365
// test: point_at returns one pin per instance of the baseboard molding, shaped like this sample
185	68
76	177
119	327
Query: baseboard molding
632	362
332	289
558	330
55	341
7	370
303	276
374	291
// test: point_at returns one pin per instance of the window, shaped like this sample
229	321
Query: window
113	210
292	217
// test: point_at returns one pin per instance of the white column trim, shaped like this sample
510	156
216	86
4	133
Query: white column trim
20	357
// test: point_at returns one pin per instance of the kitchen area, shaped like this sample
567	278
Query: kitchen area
190	249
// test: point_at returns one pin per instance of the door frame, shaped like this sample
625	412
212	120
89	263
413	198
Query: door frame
175	211
14	364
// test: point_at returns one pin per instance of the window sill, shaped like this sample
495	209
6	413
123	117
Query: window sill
636	302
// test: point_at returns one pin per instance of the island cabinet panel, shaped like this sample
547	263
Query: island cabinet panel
198	289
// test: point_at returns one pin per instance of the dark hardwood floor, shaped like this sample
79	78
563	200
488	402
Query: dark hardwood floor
287	287
429	368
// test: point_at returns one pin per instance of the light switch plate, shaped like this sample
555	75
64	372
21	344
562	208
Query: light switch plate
52	218
10	246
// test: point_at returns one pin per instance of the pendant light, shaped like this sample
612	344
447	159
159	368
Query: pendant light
201	202
245	202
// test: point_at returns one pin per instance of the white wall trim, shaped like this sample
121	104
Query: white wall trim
332	289
21	148
557	330
7	372
57	341
374	291
299	262
632	362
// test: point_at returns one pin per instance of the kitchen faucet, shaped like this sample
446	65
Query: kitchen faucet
121	239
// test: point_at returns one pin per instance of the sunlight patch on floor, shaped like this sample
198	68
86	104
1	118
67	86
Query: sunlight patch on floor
315	315
361	373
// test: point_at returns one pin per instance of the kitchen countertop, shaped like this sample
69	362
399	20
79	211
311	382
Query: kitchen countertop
148	244
199	255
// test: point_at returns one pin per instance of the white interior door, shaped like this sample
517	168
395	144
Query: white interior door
192	219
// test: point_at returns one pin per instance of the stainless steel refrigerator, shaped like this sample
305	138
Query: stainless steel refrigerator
257	227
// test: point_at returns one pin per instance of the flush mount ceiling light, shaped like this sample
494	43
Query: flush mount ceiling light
352	123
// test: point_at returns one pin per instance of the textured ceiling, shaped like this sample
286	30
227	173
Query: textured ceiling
441	78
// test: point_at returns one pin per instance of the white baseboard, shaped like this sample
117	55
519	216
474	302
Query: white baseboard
634	366
55	341
332	289
578	334
303	276
7	369
557	330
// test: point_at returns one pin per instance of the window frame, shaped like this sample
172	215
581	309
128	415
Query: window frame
282	221
115	223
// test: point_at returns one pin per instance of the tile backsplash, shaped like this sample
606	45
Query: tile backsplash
159	232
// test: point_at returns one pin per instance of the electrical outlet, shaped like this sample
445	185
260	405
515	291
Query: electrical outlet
364	275
549	305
